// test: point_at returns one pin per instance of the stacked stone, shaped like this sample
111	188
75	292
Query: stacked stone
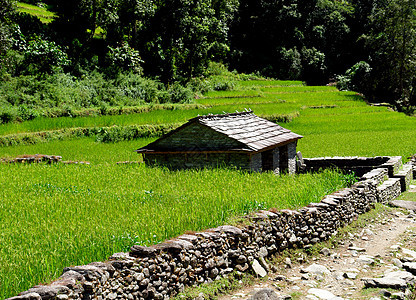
389	190
412	162
405	175
358	165
379	175
37	158
163	270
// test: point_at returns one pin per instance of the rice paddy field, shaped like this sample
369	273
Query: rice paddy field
53	216
44	15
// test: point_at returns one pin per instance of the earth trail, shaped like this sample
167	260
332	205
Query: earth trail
368	253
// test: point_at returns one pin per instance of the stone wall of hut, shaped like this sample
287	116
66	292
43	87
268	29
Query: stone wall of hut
164	270
242	161
199	160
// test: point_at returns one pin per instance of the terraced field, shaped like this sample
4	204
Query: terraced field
53	216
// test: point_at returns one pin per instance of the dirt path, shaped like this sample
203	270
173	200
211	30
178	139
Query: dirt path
338	272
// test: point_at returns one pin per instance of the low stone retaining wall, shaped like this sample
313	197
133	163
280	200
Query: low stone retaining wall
405	175
412	163
389	190
358	165
40	158
379	175
163	270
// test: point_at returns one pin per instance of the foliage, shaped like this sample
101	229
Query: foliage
124	58
312	40
356	78
43	57
181	44
392	42
36	9
291	39
291	63
61	92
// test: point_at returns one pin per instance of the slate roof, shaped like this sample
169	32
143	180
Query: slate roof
254	132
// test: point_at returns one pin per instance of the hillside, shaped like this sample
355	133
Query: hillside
46	206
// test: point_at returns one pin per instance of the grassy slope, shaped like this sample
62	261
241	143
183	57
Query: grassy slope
42	13
82	213
55	216
332	122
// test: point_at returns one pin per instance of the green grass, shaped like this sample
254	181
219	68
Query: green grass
409	196
56	215
43	14
350	132
85	149
85	213
270	83
152	117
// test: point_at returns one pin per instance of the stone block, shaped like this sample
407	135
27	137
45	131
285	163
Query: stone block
389	190
405	175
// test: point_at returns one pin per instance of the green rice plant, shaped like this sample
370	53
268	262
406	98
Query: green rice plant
55	216
269	83
44	15
298	89
355	133
82	149
232	94
103	134
151	117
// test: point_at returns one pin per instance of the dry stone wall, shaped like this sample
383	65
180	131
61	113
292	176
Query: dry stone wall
405	175
389	190
162	271
359	165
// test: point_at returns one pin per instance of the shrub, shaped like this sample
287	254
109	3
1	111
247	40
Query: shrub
26	114
220	83
42	56
8	114
179	94
137	88
290	64
313	65
355	78
124	58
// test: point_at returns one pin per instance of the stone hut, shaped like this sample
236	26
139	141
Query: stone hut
242	140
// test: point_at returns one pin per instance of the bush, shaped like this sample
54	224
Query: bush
220	83
290	64
355	78
137	89
44	57
62	94
199	85
8	114
26	114
313	65
179	94
124	58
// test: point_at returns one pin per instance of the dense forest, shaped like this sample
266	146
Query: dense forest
367	46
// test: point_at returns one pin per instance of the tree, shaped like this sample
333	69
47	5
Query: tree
392	46
291	39
6	32
124	20
6	13
43	57
184	35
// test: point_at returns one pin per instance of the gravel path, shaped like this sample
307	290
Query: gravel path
378	250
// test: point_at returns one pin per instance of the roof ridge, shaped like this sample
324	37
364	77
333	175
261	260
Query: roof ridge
225	115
